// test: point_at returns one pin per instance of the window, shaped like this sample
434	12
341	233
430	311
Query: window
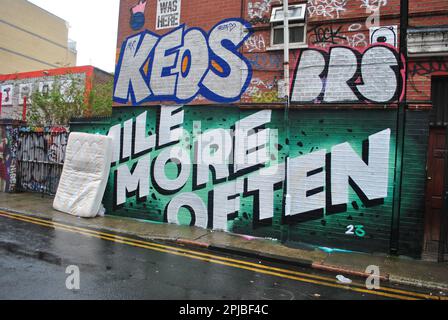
439	111
296	12
296	34
297	26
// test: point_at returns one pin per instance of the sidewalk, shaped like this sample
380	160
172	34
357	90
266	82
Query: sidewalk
396	270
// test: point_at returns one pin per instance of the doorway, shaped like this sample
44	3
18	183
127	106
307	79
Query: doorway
435	236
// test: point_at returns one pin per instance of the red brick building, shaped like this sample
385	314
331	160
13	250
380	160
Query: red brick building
14	87
350	77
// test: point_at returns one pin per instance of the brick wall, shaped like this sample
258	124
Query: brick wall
339	95
329	23
360	224
430	14
420	73
414	181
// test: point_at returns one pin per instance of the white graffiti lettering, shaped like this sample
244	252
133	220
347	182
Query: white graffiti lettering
326	8
255	43
189	63
343	75
373	5
258	9
317	182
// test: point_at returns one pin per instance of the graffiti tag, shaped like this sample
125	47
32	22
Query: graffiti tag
326	8
327	35
427	68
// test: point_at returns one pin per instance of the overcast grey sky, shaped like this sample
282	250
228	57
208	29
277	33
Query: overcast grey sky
93	25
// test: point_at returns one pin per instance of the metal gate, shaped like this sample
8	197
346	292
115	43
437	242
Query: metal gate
40	159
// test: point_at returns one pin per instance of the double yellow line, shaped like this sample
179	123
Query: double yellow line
230	262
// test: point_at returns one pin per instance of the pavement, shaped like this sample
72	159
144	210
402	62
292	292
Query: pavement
394	270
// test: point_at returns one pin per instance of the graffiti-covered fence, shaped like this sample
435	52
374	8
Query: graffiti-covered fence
8	156
40	156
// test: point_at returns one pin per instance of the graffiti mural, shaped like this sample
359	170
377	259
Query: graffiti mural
201	132
247	154
348	75
225	169
189	62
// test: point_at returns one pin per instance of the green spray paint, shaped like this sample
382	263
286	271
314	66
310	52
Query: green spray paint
311	131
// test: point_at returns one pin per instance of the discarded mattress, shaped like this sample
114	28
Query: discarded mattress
85	174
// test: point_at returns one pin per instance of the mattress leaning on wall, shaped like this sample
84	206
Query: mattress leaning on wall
85	174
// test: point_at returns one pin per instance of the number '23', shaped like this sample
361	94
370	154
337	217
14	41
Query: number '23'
356	230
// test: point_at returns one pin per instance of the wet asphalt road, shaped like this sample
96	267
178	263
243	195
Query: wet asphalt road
33	261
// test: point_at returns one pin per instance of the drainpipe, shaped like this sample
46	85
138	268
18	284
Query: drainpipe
287	196
286	50
401	129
